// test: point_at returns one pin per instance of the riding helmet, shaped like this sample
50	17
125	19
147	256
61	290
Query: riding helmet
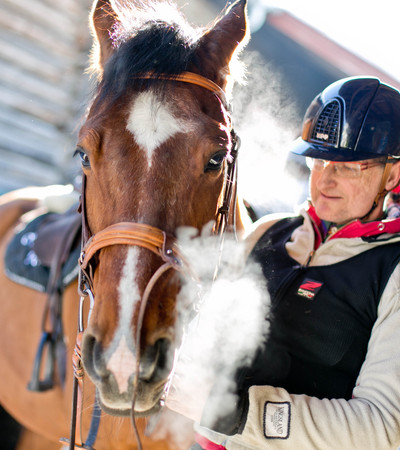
353	119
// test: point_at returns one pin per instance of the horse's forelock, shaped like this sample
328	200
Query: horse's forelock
148	38
138	15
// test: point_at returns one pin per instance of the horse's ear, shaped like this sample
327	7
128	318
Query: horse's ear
219	44
103	20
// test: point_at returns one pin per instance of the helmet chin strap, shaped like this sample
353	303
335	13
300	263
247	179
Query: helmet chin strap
381	192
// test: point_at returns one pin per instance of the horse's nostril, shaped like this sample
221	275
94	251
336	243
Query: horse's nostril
155	362
164	357
92	357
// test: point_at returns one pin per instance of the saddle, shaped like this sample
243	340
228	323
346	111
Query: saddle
43	247
43	255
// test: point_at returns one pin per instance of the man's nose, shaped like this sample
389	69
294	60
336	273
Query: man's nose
328	176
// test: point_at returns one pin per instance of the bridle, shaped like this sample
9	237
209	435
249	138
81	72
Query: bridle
148	237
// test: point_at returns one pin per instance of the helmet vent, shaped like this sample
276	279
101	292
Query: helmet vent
326	129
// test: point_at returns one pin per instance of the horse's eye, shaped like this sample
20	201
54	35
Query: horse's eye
83	157
216	161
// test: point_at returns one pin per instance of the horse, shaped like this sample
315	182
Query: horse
157	150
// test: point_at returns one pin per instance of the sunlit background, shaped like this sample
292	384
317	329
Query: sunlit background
369	29
297	48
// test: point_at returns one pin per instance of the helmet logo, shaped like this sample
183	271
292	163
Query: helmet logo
323	136
326	128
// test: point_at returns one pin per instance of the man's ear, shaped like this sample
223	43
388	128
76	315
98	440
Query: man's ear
394	177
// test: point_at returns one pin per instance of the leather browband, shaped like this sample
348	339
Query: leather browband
192	78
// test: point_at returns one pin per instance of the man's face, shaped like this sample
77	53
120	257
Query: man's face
340	197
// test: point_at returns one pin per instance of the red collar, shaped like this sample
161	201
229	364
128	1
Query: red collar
355	228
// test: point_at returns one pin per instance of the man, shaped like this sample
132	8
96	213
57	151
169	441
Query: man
329	375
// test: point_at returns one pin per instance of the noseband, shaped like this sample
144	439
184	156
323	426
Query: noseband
145	236
134	234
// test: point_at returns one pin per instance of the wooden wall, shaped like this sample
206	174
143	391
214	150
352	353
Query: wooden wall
44	47
43	54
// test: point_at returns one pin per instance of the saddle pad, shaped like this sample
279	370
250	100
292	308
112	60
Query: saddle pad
23	266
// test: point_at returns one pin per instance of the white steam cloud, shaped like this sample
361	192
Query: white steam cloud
222	334
267	121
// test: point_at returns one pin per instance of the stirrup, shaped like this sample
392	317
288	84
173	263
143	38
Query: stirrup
47	382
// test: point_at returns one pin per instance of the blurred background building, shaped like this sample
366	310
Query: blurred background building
43	51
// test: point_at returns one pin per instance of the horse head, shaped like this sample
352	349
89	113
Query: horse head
154	150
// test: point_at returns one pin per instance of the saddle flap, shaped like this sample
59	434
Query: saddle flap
57	231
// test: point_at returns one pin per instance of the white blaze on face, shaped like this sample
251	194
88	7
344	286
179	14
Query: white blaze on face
121	359
152	122
122	364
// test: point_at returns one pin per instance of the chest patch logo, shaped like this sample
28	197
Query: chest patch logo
309	288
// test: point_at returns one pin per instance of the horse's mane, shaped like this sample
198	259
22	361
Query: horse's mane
149	37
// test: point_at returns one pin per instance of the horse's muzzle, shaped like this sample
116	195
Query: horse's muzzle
142	384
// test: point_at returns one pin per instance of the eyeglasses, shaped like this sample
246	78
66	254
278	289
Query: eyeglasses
345	169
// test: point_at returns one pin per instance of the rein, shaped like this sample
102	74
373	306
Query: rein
145	236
